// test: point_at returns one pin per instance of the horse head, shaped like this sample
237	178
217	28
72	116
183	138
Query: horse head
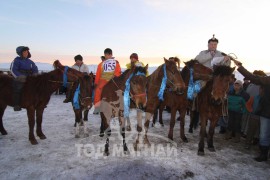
174	78
138	86
200	72
221	79
60	71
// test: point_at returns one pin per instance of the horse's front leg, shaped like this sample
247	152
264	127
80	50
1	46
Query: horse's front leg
161	108
39	117
172	123
128	124
31	123
78	121
148	116
85	132
211	135
139	129
85	115
202	135
122	131
182	124
2	129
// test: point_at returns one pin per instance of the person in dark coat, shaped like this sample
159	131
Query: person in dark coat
263	109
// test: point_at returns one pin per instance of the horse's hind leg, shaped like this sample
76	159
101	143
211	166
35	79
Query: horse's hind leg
31	123
202	135
2	129
39	114
155	117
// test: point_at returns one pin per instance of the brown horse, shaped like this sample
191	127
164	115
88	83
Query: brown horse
35	96
180	103
154	84
211	104
83	97
112	103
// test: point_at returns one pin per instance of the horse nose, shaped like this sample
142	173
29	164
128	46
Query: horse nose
216	102
180	91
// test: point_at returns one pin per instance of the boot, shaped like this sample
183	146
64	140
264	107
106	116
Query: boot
68	97
17	87
263	154
237	137
222	130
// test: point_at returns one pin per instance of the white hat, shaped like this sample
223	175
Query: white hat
239	82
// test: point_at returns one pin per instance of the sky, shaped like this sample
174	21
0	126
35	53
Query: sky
61	29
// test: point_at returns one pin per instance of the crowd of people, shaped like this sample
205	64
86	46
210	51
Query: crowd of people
248	102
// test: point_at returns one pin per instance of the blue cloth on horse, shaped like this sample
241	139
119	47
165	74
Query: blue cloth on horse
193	87
65	77
76	103
163	84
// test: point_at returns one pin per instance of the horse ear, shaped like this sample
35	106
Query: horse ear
165	59
146	67
232	69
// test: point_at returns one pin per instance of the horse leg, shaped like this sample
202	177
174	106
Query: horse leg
107	132
85	132
39	116
128	124
148	116
122	131
31	123
191	125
161	108
182	124
78	120
202	135
85	115
210	136
2	129
155	117
172	123
139	129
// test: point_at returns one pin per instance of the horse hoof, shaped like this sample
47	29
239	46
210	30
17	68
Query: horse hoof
200	153
170	137
212	149
34	142
128	128
146	141
77	136
162	124
185	140
190	130
86	135
42	137
127	152
106	153
4	132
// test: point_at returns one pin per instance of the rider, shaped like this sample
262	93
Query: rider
79	66
209	58
106	70
135	59
20	68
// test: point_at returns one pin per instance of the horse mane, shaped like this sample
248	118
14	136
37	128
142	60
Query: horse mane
222	70
140	69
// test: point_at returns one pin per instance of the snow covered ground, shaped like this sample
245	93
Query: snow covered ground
62	156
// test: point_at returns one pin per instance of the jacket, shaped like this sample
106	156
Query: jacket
264	102
23	67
